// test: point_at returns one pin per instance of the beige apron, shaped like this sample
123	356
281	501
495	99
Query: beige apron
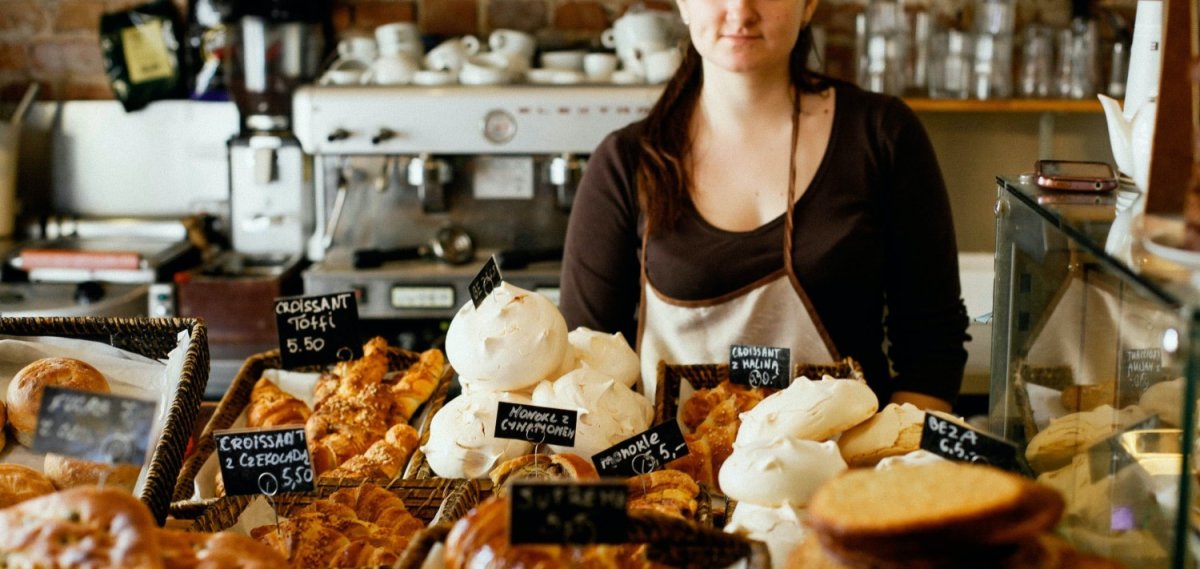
774	311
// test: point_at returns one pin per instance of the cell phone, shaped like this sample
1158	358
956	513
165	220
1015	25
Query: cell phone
1075	175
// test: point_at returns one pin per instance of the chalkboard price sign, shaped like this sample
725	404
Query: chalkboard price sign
317	329
642	453
760	366
542	425
954	441
486	281
264	461
99	427
573	513
1141	368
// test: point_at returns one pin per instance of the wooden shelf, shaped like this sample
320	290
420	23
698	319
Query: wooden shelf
1006	105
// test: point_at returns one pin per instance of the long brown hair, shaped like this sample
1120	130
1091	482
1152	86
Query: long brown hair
662	175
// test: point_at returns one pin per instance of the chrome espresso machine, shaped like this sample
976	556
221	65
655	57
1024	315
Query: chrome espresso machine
417	186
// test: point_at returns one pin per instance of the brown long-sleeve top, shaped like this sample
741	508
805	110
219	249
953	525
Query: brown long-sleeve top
874	248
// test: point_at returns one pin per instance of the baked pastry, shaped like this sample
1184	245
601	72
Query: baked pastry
707	450
221	550
894	430
914	458
609	354
271	406
67	472
461	436
80	527
1066	436
943	512
779	471
705	402
385	459
19	483
812	410
609	412
669	492
355	414
562	466
416	385
24	395
513	340
713	417
3	423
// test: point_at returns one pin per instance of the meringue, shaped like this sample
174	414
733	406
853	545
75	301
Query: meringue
609	412
461	436
607	353
515	339
914	458
778	471
811	410
781	528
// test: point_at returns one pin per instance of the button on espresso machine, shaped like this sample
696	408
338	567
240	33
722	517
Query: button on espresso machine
396	166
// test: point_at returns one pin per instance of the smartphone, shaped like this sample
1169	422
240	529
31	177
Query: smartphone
1074	175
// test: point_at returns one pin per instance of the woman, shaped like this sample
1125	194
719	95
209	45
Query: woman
760	203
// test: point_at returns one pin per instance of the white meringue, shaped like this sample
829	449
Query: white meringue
781	528
606	353
780	470
609	412
461	436
811	410
515	339
914	458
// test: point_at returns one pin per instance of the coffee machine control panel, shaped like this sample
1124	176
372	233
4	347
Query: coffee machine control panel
511	119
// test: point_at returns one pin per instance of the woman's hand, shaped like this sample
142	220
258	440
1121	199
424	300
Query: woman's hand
922	401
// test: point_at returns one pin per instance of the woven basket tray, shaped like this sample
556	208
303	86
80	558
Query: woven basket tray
701	376
238	398
153	338
674	542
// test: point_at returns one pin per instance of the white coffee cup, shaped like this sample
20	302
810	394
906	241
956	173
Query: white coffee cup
513	42
599	66
485	69
358	47
633	60
344	71
434	77
450	54
399	37
391	70
570	60
640	26
659	66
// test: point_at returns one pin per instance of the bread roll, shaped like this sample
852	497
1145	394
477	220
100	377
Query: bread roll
81	527
25	390
19	483
190	550
67	472
893	431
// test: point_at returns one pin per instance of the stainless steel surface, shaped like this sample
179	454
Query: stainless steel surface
63	299
271	195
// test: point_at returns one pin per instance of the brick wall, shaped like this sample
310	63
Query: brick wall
55	42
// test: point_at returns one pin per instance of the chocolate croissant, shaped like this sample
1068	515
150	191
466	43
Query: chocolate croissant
271	406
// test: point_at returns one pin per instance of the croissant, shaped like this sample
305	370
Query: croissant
353	415
377	506
307	540
417	384
271	406
384	459
564	466
194	550
701	404
669	492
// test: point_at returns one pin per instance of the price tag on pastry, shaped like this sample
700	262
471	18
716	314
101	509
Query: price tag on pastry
760	366
541	425
100	427
485	282
561	513
264	461
317	330
642	453
948	438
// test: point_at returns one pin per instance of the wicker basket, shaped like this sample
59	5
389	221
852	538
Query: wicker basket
673	542
153	338
701	376
238	397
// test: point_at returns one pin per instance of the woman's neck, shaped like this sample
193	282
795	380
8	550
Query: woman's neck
733	102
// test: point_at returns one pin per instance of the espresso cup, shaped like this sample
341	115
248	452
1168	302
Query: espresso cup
570	60
513	42
450	54
399	38
358	47
484	69
599	66
391	70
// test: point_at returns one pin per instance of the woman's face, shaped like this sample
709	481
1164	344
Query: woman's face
746	35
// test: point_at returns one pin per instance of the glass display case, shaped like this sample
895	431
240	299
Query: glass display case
1094	364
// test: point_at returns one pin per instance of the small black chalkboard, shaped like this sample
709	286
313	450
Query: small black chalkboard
264	461
644	452
1141	368
543	425
1109	456
760	366
568	513
954	441
317	329
486	281
99	427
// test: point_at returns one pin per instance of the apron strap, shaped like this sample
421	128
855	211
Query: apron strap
788	226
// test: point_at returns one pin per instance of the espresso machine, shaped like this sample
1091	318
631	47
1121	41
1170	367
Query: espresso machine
417	186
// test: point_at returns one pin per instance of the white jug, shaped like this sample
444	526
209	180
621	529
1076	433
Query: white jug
1132	139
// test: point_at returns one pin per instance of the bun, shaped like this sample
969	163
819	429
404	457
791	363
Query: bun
66	472
565	466
189	550
668	492
25	390
19	483
93	527
893	431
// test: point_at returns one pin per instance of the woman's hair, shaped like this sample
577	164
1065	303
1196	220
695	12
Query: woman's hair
662	175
